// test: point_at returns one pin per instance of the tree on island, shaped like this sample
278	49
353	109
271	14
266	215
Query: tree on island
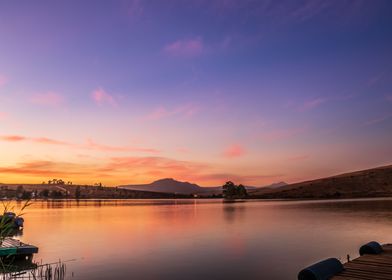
230	190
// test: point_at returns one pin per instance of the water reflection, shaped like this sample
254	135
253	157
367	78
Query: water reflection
231	211
194	239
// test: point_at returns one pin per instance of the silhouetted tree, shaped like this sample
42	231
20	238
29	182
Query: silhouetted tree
230	190
241	191
19	191
77	192
44	193
26	195
56	194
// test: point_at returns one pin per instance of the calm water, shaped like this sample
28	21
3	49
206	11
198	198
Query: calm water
201	239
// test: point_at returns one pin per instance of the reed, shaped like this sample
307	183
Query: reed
51	271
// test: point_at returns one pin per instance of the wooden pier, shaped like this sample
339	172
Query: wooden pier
369	267
11	247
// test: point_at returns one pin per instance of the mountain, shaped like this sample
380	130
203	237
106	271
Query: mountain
376	182
170	185
167	185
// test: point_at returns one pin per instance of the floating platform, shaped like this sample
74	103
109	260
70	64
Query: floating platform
11	247
369	267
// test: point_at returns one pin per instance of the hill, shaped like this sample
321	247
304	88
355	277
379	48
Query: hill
376	182
170	185
45	191
167	185
274	185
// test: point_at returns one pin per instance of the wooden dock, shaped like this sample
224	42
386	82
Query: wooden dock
369	267
12	247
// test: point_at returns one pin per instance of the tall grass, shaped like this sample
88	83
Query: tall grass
52	271
6	225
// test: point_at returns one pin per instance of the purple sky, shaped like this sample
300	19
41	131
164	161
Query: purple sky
204	91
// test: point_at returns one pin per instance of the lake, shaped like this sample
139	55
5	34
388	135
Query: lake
201	239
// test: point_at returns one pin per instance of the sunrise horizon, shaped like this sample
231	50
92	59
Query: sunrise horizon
196	139
278	93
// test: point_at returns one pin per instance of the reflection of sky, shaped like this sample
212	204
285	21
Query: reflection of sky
131	91
201	240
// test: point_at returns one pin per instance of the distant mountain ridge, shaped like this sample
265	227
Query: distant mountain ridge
275	185
170	185
167	185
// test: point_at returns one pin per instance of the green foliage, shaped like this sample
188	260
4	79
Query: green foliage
6	225
230	190
44	193
26	195
56	194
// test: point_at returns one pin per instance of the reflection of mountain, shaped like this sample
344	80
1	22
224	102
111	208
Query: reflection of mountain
167	186
376	182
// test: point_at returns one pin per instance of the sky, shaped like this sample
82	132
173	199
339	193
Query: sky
131	91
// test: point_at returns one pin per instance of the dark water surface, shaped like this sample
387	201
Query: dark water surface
201	239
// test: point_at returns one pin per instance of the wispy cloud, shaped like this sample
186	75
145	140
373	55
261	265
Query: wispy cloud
309	9
185	47
151	168
40	140
234	151
377	120
108	148
101	97
89	145
43	169
298	157
162	112
311	104
50	99
285	12
158	167
139	169
134	8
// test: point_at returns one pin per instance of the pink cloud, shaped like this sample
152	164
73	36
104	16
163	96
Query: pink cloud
162	112
107	148
185	47
311	104
101	97
299	157
39	168
3	80
3	116
90	145
40	140
44	140
12	138
233	151
50	99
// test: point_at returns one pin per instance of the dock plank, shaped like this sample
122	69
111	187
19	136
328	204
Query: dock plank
11	246
369	267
